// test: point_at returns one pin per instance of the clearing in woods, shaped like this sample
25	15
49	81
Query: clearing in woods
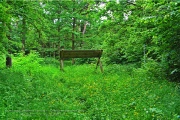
33	89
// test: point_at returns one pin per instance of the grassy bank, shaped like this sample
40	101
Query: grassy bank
35	88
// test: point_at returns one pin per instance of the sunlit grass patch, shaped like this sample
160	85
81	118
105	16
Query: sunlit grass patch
40	91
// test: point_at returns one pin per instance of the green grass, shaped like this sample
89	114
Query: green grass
33	89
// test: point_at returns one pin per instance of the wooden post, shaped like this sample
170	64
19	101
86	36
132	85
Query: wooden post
61	65
97	62
100	64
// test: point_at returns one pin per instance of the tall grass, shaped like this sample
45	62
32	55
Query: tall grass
33	89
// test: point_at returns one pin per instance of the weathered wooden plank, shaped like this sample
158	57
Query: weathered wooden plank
80	53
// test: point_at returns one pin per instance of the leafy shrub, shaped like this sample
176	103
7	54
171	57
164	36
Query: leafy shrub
2	61
27	64
50	61
154	69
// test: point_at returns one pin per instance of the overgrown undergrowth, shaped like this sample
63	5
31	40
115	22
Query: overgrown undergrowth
33	89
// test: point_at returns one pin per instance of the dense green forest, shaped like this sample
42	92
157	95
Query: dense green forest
141	59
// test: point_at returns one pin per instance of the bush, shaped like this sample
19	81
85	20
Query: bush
27	64
154	69
50	61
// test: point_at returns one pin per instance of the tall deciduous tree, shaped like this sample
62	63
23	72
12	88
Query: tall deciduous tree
139	31
5	21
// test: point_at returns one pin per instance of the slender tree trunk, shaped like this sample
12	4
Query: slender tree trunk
84	29
42	50
73	29
23	35
83	32
59	38
73	40
41	42
8	61
54	47
50	46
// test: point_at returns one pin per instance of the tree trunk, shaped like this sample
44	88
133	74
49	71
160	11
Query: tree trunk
8	61
54	47
23	34
73	40
84	28
59	38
